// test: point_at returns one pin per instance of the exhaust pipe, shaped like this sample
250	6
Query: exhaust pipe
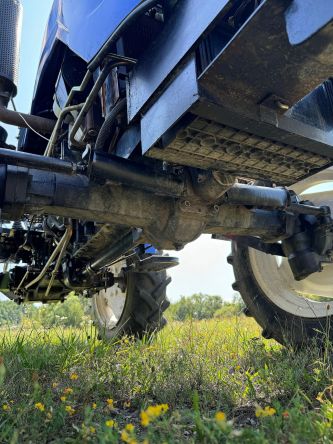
11	12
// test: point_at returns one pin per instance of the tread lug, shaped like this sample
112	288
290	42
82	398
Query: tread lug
247	312
266	334
235	286
230	260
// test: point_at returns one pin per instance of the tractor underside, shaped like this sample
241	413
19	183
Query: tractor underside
199	129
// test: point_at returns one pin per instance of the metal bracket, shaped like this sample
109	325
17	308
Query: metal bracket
253	242
153	264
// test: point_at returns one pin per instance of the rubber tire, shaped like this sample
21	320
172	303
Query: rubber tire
145	303
284	327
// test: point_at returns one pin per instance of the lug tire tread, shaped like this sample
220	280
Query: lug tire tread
284	327
145	304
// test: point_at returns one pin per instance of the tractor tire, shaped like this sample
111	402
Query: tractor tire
292	312
273	309
136	309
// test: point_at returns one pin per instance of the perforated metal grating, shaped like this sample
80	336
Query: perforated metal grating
209	145
10	25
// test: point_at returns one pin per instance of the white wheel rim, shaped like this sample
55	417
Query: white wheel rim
109	304
313	296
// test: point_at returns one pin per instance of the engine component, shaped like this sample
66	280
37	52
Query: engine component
22	159
302	258
211	185
241	194
111	253
169	222
124	171
179	220
92	96
10	35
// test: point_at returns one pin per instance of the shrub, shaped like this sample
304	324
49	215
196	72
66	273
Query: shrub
68	314
10	313
198	306
203	306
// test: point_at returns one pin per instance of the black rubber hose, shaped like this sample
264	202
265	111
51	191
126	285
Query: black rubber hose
91	97
105	134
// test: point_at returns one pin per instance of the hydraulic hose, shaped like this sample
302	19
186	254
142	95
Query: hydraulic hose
91	98
56	251
108	126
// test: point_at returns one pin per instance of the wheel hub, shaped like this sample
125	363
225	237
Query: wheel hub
313	296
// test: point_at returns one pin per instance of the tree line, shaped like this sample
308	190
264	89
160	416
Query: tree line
76	310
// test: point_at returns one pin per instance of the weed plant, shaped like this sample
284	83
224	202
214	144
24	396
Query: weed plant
211	381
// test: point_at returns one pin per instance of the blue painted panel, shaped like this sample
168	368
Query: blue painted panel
175	101
83	25
190	21
306	17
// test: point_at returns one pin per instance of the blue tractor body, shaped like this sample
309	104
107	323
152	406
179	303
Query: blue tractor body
83	26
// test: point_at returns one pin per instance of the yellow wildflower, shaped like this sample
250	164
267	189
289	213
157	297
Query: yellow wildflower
267	411
110	403
5	407
220	417
68	391
55	384
153	412
69	410
125	437
39	406
145	420
74	376
259	412
164	408
94	406
110	423
127	404
129	428
145	441
63	398
270	411
49	415
92	429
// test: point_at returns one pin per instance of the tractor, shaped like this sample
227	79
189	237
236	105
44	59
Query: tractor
153	122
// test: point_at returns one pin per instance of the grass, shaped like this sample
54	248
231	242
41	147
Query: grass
65	386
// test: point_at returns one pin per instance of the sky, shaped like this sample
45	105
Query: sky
203	266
